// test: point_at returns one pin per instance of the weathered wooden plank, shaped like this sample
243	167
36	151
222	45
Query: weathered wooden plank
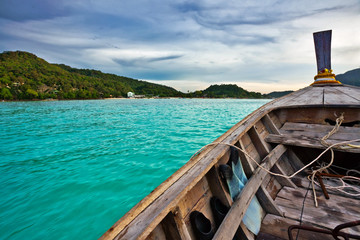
314	96
265	199
285	164
170	227
303	141
274	118
270	125
351	91
329	214
267	236
157	234
250	148
315	115
294	160
217	186
278	227
244	233
261	129
325	218
289	99
341	137
344	204
273	187
181	225
199	194
248	165
242	202
334	96
319	128
283	181
302	181
266	202
262	148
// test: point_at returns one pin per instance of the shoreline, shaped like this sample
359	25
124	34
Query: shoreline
52	100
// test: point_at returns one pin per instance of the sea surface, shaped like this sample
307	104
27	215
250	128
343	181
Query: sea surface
70	169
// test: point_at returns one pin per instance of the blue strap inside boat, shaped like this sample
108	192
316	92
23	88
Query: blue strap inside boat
252	218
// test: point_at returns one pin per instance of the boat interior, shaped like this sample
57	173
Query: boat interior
199	201
289	170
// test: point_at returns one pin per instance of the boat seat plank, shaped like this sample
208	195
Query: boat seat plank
319	131
330	213
302	181
303	141
277	228
241	203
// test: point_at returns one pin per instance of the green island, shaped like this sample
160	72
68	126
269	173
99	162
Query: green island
24	76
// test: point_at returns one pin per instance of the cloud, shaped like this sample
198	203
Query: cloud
254	43
20	10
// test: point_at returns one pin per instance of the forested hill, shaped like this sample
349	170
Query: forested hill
351	77
25	76
226	91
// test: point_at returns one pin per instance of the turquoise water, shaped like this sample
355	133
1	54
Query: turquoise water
70	169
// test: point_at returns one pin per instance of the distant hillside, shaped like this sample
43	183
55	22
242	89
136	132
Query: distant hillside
25	76
278	94
226	91
351	77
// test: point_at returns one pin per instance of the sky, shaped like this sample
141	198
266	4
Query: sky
263	46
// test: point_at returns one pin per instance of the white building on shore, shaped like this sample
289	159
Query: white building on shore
130	94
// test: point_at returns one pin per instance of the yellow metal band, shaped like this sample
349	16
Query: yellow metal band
325	81
325	76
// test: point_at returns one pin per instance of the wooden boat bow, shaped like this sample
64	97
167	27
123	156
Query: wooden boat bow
280	137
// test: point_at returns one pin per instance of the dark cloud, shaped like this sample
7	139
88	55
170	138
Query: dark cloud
127	62
142	61
164	58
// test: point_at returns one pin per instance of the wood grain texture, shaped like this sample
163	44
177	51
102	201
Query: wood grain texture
270	125
329	214
351	91
303	141
237	211
335	95
278	227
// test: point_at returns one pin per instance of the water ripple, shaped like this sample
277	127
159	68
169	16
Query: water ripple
70	169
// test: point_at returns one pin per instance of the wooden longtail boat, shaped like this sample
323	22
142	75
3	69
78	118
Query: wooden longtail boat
229	189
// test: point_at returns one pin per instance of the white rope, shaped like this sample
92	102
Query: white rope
343	186
339	120
272	173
